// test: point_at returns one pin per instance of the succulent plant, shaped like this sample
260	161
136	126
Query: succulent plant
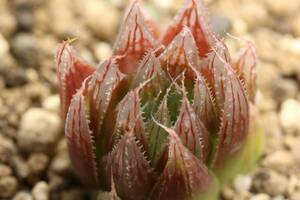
166	116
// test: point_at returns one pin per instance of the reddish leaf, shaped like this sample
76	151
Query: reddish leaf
215	73
112	195
100	89
180	54
204	104
193	15
71	71
132	173
134	40
129	116
191	131
157	136
80	142
235	119
245	65
184	175
150	70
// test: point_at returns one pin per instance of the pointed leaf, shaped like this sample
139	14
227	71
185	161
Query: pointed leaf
132	173
133	40
215	73
71	71
157	136
180	54
100	89
129	116
80	142
245	65
150	70
235	119
191	131
184	176
204	104
193	15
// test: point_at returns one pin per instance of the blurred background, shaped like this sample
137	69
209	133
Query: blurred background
34	163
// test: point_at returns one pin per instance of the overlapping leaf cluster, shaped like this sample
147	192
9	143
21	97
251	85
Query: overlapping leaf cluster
163	115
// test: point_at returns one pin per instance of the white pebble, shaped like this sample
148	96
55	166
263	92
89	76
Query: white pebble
39	130
289	115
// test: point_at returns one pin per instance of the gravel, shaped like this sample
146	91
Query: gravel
31	136
26	48
289	115
94	9
34	162
7	149
40	191
8	186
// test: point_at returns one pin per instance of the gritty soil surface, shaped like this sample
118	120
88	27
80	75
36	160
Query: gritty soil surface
34	163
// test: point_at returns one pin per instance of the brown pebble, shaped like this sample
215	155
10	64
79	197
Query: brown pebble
8	186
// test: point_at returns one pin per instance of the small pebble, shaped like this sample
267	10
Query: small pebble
260	197
61	163
7	149
8	23
270	182
4	170
281	8
280	160
295	25
39	130
25	18
295	149
8	186
289	115
37	163
266	82
288	55
284	89
295	196
74	194
273	133
242	183
52	104
26	48
104	29
294	184
254	14
23	195
221	23
4	46
102	51
228	193
21	168
62	21
41	191
280	197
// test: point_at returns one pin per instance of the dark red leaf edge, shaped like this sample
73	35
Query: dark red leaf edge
235	119
134	39
101	86
71	72
80	140
245	65
132	173
191	130
184	175
204	104
129	116
194	15
180	54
